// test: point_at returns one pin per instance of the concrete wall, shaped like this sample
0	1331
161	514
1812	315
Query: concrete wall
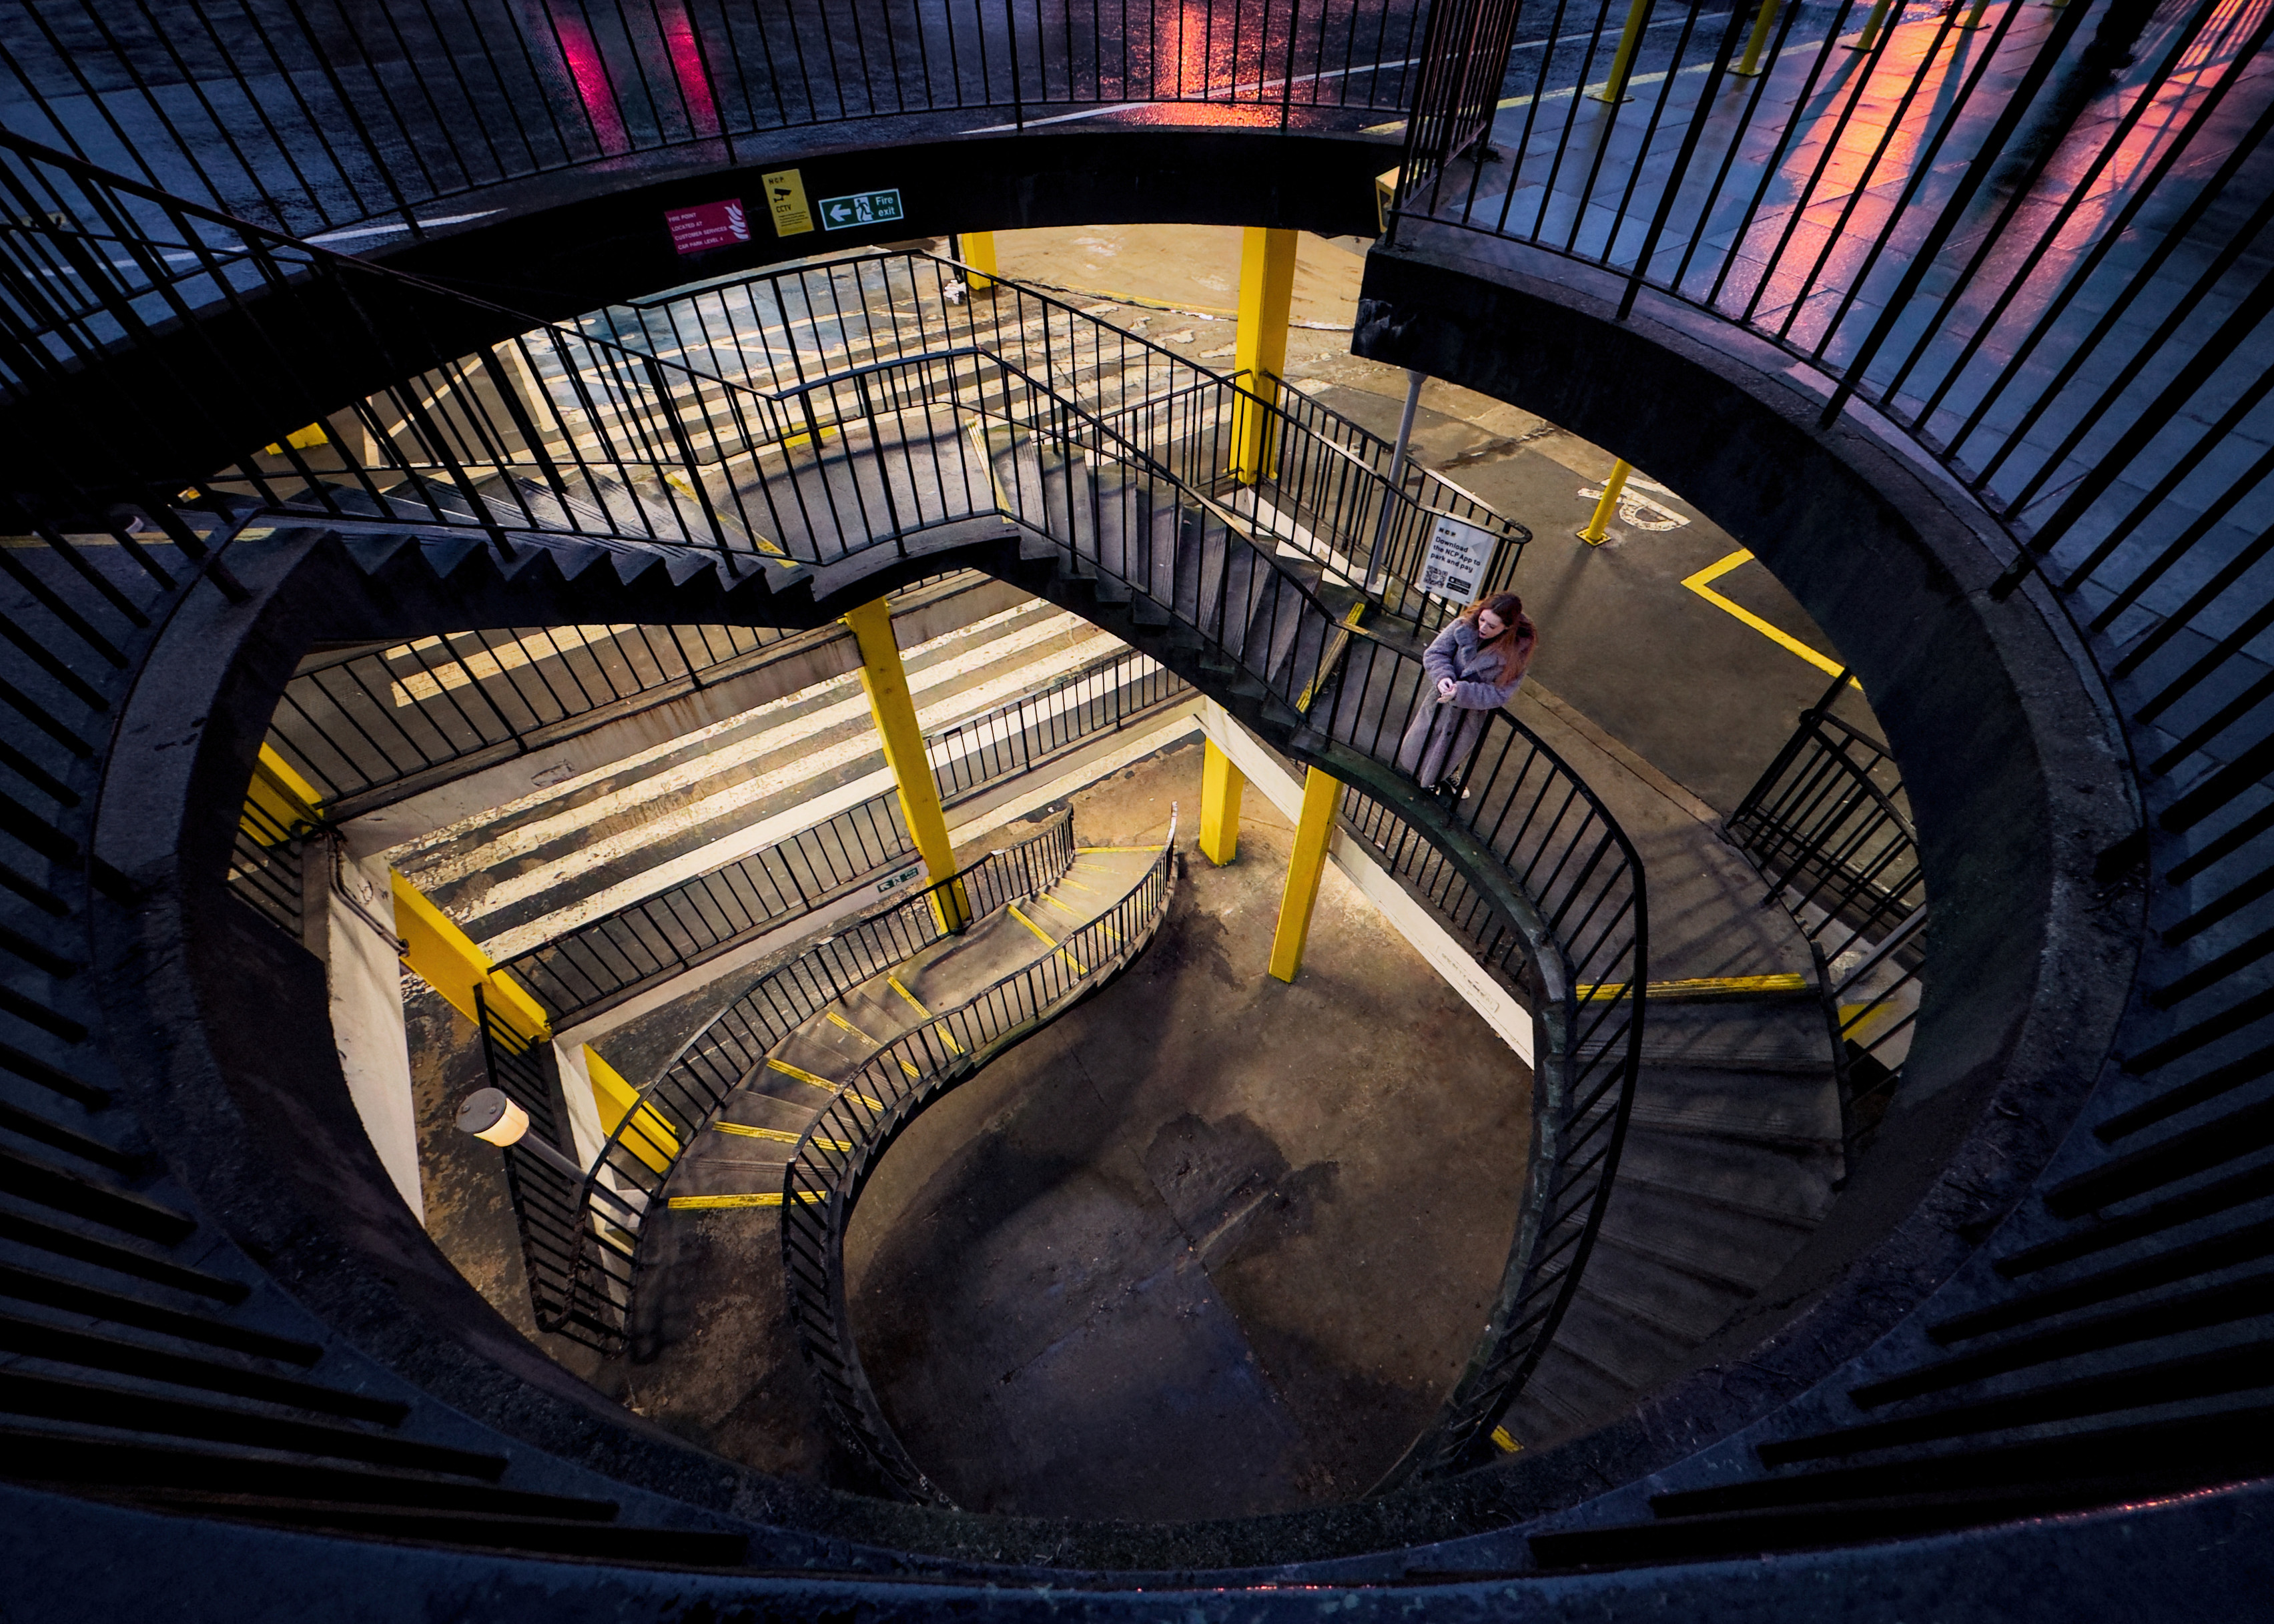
366	981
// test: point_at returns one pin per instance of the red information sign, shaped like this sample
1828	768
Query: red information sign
707	226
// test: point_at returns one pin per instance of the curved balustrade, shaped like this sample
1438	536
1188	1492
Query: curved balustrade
840	1148
584	1287
312	119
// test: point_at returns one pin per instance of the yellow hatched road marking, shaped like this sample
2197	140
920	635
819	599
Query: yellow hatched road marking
1047	936
806	1198
780	1135
916	1003
1701	584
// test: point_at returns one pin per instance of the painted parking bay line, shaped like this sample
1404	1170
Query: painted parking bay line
1702	584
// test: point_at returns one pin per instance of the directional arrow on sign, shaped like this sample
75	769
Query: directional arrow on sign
840	215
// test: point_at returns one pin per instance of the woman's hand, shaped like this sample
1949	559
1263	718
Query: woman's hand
1446	688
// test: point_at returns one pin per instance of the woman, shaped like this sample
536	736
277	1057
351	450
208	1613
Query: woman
1473	668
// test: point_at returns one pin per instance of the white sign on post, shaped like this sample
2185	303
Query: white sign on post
1459	555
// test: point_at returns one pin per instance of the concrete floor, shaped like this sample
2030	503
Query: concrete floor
1209	1245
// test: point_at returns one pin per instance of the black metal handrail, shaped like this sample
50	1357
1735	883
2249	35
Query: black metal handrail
314	120
585	971
1829	829
831	1163
590	1303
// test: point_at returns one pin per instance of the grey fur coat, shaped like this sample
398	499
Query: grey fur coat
1444	732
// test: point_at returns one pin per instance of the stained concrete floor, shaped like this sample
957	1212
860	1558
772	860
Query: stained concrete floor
1208	1246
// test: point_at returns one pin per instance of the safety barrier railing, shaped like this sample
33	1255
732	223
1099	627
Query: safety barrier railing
838	1149
968	433
547	1201
312	119
1572	939
1314	479
2023	234
603	1224
586	971
1829	829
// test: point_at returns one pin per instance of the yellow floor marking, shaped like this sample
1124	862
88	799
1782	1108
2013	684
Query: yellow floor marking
1700	583
806	1198
1078	886
1705	986
835	1019
1013	909
1505	1440
1088	850
1333	657
779	1134
1882	1016
987	462
1067	907
803	1076
945	1036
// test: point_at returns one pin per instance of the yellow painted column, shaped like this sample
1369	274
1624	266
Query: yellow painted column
979	254
447	959
650	1138
1614	88
1221	784
1267	289
280	804
890	702
1314	832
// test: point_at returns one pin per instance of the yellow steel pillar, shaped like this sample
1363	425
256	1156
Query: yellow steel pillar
1267	288
1597	526
1751	67
1221	784
978	252
1870	37
1314	832
894	709
449	961
1614	88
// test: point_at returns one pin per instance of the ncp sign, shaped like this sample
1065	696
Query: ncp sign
1459	557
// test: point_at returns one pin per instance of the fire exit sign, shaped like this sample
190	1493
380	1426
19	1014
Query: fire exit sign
860	208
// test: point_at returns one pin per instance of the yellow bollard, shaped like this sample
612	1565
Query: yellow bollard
1314	832
887	681
1974	21
978	252
1870	37
1220	785
1614	88
1597	529
1266	292
1751	67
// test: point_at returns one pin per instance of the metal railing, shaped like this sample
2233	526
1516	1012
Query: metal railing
877	439
603	1224
587	970
1828	827
310	119
833	1157
2023	234
547	1202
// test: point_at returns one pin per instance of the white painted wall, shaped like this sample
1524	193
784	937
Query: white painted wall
365	979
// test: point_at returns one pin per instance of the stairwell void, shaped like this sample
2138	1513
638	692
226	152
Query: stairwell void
1955	320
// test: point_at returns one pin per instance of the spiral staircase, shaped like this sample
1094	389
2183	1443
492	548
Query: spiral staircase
2013	1364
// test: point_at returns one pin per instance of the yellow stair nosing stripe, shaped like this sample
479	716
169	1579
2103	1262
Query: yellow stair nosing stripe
806	1198
914	1002
1088	850
1706	986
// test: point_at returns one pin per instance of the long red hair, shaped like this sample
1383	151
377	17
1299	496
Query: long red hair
1517	641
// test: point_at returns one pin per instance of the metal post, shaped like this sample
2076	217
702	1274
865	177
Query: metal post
977	249
1220	785
1975	20
1267	290
1596	530
885	681
1314	832
1750	68
1414	380
1870	37
1614	88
